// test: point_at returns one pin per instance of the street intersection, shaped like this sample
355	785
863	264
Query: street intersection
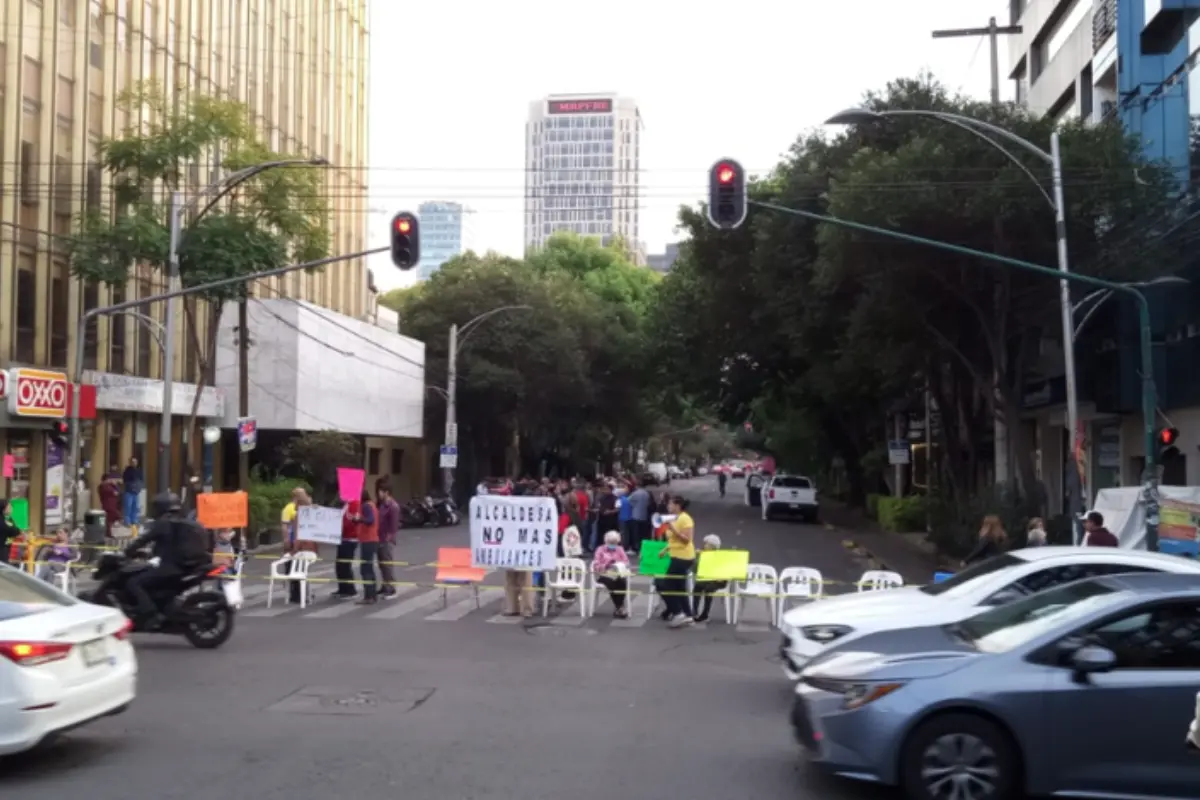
442	702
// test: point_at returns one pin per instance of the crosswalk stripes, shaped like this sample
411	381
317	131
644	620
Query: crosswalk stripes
405	607
456	611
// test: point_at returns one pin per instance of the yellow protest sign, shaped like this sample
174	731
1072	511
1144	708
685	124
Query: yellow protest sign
723	565
223	510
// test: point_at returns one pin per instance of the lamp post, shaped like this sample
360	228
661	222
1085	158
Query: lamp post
458	339
1053	158
176	211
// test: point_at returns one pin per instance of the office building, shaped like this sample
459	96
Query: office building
1055	62
442	235
582	162
662	262
300	67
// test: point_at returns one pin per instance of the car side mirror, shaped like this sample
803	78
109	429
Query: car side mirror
1092	659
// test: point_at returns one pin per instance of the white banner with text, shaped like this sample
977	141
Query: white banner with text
513	532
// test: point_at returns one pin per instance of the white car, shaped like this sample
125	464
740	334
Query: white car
63	662
792	495
810	628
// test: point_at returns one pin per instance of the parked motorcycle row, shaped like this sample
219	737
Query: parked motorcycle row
431	512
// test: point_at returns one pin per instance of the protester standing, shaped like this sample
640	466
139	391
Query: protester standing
293	545
389	528
681	550
134	483
641	506
110	500
343	567
367	526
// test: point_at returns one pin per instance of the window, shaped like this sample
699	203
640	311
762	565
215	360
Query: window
94	183
91	336
1010	626
792	483
62	188
60	302
144	344
972	572
1163	636
22	595
1064	28
374	456
64	100
397	461
96	54
1044	579
116	335
26	311
28	174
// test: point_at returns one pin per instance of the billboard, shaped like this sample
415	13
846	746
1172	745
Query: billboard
598	106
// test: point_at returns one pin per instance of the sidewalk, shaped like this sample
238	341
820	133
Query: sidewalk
906	553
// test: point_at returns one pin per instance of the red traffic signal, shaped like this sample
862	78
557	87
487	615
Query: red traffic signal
59	431
1168	436
406	240
726	194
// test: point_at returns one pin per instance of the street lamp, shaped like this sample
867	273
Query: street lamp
213	193
981	129
451	392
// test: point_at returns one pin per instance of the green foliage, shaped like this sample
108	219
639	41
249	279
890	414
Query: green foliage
956	521
818	333
901	514
267	497
273	217
317	455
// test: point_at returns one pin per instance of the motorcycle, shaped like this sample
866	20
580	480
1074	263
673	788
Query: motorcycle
202	616
416	514
444	511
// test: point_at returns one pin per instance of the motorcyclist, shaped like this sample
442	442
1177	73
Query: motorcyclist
182	546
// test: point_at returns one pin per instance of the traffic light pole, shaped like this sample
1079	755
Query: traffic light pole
102	311
1149	390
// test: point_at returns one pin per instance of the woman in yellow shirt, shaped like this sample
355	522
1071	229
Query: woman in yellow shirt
681	548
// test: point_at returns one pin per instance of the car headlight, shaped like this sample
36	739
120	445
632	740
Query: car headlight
855	694
824	634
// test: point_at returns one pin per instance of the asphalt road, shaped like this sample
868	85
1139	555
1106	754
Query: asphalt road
299	707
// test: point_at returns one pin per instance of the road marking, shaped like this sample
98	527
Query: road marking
409	605
339	608
634	621
457	611
753	627
500	619
274	611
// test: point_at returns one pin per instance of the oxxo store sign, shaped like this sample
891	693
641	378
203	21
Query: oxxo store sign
35	393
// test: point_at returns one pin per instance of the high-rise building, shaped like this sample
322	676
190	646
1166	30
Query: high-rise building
299	66
582	161
1057	61
442	235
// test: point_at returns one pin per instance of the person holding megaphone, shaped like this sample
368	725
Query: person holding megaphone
679	530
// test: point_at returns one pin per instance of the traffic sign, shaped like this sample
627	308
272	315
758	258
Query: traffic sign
449	457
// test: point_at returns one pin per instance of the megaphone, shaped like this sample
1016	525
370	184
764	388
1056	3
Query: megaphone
658	520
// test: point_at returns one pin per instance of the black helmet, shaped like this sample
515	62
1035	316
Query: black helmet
165	502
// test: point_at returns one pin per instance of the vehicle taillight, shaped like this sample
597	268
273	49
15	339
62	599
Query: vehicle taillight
216	572
771	494
124	632
31	654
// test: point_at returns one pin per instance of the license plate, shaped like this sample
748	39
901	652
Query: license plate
94	653
794	506
233	592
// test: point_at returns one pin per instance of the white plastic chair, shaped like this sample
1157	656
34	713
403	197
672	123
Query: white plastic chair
761	581
874	580
66	578
798	583
282	570
569	575
652	594
619	570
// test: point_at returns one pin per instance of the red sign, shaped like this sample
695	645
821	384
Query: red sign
38	393
580	107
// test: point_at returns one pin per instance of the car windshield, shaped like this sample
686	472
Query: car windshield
21	594
971	573
1007	627
792	483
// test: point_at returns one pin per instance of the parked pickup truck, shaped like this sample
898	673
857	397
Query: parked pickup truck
790	495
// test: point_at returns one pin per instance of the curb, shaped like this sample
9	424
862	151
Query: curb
873	561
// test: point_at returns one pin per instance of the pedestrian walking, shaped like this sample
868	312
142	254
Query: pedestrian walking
992	541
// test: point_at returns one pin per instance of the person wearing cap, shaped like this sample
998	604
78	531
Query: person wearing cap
1097	534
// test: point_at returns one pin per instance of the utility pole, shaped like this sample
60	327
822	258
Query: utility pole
993	32
243	343
174	213
451	405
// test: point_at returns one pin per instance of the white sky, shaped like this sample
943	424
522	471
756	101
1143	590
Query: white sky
451	84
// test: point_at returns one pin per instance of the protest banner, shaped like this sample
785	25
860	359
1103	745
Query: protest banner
319	524
723	565
1178	527
223	510
513	532
350	484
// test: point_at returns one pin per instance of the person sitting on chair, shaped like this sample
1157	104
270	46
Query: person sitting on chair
703	591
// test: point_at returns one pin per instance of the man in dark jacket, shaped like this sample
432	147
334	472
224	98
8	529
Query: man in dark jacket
182	547
1097	534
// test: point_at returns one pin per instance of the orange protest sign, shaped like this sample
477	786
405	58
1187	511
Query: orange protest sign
223	510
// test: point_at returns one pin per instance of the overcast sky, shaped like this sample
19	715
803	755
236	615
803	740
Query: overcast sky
451	84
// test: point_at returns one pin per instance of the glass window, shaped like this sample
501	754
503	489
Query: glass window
21	595
792	483
1166	636
1013	625
1065	26
972	572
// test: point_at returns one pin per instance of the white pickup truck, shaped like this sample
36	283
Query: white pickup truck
791	495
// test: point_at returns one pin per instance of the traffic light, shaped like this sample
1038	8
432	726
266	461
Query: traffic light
1164	438
59	431
727	194
406	240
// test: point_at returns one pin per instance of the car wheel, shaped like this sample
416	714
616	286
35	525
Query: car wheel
960	756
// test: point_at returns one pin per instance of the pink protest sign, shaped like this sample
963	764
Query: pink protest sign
8	465
350	483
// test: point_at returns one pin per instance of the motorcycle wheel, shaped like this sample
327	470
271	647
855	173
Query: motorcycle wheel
216	623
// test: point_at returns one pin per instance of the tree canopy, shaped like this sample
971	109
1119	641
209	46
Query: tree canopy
818	332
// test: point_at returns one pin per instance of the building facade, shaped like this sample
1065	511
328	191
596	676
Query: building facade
442	235
662	262
300	67
582	167
1053	59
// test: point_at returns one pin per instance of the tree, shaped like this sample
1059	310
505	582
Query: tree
318	454
278	216
818	333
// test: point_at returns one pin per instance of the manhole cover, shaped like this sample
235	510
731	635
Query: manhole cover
335	701
559	630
